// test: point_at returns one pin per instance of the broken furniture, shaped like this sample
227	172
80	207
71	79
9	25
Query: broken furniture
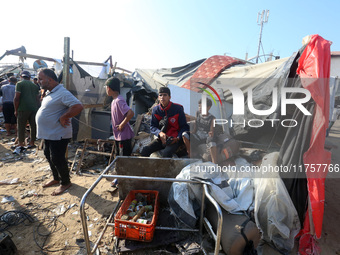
134	174
89	142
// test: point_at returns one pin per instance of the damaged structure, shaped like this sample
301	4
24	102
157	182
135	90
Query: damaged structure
300	137
278	113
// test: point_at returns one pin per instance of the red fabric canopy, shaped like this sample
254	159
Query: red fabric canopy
314	70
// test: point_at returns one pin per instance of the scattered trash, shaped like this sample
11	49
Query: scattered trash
44	168
38	161
9	181
29	193
59	210
71	205
80	240
18	150
7	199
7	158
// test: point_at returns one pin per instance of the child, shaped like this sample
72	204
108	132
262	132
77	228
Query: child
203	133
120	117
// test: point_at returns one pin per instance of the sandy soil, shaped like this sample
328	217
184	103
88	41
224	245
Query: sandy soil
56	226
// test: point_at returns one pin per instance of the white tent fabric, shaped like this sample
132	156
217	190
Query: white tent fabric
156	78
248	76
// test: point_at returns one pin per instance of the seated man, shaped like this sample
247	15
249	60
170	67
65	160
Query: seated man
203	133
168	122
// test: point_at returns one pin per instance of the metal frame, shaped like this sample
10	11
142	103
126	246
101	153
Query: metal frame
87	142
205	193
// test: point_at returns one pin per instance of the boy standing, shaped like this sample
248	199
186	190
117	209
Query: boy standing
120	117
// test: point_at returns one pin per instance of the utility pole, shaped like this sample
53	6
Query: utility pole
261	18
66	67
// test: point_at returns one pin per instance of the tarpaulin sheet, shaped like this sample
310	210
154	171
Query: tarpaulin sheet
88	89
314	70
250	76
210	70
261	80
156	78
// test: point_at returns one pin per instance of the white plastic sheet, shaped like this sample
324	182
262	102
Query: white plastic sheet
275	213
235	195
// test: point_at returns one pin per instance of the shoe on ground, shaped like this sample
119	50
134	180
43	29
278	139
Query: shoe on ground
19	149
114	183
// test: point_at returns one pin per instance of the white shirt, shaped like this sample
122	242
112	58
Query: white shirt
53	106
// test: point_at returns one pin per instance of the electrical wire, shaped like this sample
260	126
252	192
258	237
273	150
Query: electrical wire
100	130
49	223
14	218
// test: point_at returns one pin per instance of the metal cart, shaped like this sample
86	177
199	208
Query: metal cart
139	173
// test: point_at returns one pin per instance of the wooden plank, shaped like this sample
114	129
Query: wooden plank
92	141
138	122
97	152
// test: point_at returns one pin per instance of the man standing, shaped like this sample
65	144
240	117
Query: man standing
54	125
26	105
6	81
120	117
7	93
168	122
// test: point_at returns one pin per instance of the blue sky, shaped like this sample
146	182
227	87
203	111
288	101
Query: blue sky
158	33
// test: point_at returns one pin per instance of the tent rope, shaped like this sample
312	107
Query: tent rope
100	130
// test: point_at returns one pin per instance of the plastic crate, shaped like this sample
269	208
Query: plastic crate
134	230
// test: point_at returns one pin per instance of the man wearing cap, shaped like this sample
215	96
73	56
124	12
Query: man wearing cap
26	100
54	126
7	92
121	114
168	122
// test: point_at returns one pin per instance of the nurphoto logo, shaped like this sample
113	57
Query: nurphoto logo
239	105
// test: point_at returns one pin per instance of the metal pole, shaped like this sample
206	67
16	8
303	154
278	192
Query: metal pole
82	207
258	47
66	68
263	19
219	219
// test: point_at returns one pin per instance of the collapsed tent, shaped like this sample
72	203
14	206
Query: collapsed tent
287	105
95	118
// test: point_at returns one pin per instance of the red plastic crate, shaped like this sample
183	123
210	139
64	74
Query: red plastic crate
134	230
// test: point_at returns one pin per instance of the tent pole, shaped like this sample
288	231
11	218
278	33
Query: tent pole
66	67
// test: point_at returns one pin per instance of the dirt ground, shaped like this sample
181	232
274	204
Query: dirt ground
329	241
56	226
